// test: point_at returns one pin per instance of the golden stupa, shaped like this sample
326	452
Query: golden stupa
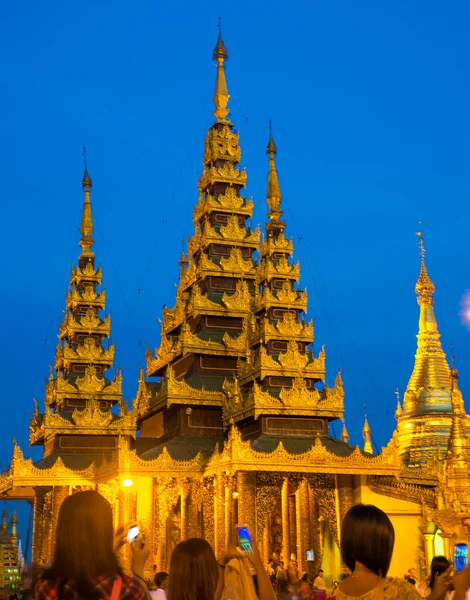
230	420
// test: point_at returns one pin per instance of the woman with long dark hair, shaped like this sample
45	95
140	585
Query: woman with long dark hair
85	565
367	540
440	566
196	574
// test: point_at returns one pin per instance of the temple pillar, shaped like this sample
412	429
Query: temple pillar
446	537
429	549
285	521
145	517
246	489
301	496
127	515
265	554
183	492
59	494
228	510
193	516
219	514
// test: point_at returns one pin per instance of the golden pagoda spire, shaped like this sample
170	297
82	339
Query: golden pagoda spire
458	443
344	433
221	95
14	523
366	433
431	370
86	225
399	410
5	518
273	195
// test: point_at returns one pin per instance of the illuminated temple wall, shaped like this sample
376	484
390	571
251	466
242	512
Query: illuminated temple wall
406	518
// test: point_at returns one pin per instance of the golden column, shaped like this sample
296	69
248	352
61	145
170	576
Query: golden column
246	489
228	505
219	514
447	549
301	497
183	492
59	494
145	518
429	549
285	521
127	516
194	529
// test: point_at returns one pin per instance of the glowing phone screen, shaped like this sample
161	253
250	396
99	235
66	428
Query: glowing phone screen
244	539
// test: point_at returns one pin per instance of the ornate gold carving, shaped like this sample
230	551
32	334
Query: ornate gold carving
236	263
88	296
281	268
286	297
200	302
222	145
225	174
92	415
241	300
88	273
272	244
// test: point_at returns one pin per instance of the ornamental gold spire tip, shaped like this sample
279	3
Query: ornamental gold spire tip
366	432
273	195
221	95
86	225
424	285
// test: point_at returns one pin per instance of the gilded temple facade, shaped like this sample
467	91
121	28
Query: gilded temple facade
230	422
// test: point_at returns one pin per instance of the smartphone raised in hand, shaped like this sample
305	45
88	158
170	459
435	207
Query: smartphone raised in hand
132	533
245	541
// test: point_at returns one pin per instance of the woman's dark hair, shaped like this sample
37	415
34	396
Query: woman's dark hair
367	536
439	564
193	571
160	578
84	546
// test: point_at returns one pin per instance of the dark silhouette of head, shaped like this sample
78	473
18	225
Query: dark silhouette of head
84	545
367	537
193	571
439	565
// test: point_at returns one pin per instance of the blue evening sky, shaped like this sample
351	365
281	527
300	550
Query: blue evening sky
369	102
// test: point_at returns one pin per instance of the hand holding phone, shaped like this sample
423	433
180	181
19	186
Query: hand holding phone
245	540
132	534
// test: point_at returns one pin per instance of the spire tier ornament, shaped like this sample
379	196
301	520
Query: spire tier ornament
366	433
221	95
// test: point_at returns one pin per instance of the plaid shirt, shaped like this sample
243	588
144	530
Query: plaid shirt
132	588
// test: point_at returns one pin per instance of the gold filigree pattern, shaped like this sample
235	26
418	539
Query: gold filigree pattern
236	263
241	300
225	174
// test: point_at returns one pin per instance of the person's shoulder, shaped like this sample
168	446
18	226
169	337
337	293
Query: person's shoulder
399	588
133	588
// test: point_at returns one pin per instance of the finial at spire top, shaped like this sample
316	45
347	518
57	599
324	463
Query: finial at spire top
271	147
86	181
86	225
221	95
424	285
220	51
366	432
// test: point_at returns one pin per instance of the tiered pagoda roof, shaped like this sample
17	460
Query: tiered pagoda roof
235	339
79	397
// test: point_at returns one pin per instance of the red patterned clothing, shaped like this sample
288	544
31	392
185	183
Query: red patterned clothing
132	588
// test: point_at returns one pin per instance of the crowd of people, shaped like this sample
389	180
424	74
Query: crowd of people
86	566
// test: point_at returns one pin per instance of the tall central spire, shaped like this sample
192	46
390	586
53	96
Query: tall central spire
86	225
221	95
273	196
429	392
